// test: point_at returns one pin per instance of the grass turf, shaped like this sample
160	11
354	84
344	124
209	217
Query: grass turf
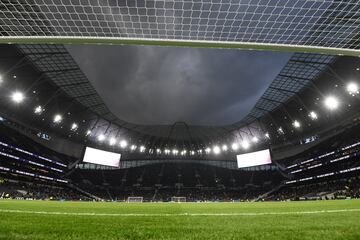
278	220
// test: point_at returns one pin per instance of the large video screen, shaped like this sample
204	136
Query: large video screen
101	157
254	159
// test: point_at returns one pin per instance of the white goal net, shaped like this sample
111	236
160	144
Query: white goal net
135	199
178	199
247	24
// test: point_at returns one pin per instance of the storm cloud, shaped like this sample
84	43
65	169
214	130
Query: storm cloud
162	85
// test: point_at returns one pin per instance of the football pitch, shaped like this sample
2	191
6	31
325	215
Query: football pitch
99	220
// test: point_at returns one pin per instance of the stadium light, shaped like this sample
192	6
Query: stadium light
112	141
313	115
267	135
352	88
280	131
39	110
57	118
234	146
101	137
255	139
331	103
74	127
245	144
207	150
216	149
224	147
123	144
296	124
17	97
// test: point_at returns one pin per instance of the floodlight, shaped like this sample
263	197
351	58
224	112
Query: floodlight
224	147
255	139
296	124
245	144
313	115
133	147
192	152
74	127
267	135
167	151
352	88
280	131
57	118
158	151
207	150
112	141
123	144
183	152
331	103
1	80
234	146
17	97
88	132
38	110
142	149
101	137
216	150
175	151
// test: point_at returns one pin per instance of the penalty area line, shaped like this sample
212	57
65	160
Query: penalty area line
179	214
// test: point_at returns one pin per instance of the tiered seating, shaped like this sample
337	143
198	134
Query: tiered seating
177	179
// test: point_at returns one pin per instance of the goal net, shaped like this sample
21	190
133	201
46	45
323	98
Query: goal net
325	25
135	199
178	199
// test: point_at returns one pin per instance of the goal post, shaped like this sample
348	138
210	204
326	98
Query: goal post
178	199
135	199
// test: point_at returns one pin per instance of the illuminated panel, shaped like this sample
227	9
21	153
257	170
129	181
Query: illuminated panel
32	154
101	157
254	159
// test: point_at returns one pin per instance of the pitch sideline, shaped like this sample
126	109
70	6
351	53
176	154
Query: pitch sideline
178	214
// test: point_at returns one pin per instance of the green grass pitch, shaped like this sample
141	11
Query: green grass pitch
269	220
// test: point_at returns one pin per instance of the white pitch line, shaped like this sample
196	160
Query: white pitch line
178	214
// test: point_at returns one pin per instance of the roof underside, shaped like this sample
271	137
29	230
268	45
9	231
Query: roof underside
56	63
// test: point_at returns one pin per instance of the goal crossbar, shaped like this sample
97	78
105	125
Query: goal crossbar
178	199
135	199
178	43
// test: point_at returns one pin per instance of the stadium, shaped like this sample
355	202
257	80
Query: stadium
183	119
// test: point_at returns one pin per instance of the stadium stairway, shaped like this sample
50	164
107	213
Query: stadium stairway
268	193
84	192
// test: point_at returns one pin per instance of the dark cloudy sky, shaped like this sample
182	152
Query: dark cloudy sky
162	85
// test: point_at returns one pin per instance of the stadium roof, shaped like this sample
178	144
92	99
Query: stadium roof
305	26
55	62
